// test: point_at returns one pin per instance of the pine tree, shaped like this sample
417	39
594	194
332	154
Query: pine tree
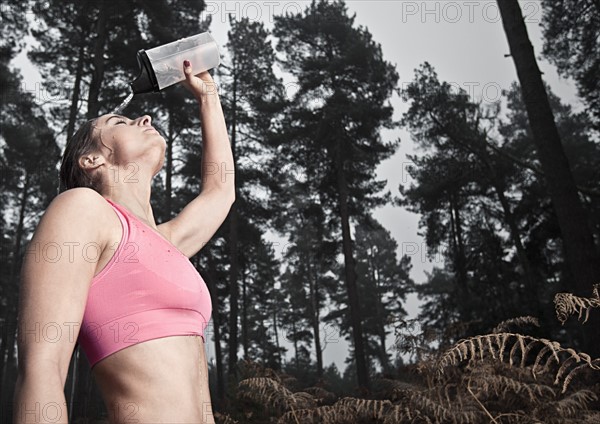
251	94
571	29
27	181
337	116
580	250
383	284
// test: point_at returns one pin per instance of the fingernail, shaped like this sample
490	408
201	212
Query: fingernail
186	63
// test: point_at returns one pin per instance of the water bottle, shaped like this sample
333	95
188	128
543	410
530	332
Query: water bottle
162	66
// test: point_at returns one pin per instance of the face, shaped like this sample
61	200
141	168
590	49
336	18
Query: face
131	141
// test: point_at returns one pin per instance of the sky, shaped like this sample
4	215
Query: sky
465	43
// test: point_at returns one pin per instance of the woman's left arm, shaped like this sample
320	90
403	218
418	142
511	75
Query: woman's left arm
200	219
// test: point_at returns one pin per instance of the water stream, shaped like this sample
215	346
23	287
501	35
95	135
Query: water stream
123	104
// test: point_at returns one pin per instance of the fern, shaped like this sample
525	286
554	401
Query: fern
519	347
567	304
267	391
438	412
572	405
321	395
224	419
518	321
500	386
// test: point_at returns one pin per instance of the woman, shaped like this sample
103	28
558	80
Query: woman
99	271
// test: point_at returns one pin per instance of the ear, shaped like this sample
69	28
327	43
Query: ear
91	161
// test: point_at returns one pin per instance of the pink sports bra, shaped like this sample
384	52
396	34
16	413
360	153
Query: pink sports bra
148	290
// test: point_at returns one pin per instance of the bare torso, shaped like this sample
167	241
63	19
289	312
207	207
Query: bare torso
158	381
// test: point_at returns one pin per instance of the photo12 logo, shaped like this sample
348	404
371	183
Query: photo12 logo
254	11
453	12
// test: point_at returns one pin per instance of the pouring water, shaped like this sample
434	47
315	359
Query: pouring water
123	104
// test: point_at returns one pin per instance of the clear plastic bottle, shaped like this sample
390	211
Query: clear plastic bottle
162	66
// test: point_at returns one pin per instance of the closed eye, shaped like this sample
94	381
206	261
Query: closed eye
120	122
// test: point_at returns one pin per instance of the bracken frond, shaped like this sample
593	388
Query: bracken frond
321	415
440	413
594	365
270	393
223	419
591	417
500	385
567	304
254	369
304	400
321	395
519	347
366	409
397	414
544	356
518	322
572	405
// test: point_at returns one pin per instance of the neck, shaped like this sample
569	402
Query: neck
135	197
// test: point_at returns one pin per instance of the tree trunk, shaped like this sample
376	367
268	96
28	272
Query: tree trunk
233	251
244	319
76	93
458	258
7	345
169	168
350	274
381	319
295	344
72	385
532	282
580	251
276	330
314	314
216	319
98	61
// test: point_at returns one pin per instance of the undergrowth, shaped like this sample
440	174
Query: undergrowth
500	377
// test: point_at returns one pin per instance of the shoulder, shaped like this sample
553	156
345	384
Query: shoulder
82	201
79	209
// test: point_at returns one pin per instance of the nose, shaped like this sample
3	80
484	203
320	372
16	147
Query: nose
144	120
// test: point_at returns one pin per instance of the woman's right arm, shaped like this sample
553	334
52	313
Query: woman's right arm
59	264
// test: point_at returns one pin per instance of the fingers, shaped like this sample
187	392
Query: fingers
188	71
187	68
201	84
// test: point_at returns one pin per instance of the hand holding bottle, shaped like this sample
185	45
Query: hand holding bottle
201	85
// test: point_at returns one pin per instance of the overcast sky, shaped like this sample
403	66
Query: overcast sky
465	43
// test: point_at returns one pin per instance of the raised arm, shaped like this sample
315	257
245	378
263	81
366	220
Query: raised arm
200	219
54	284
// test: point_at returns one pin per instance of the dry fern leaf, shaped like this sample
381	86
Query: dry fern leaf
592	417
321	395
223	419
518	322
366	409
321	415
304	400
441	414
268	392
481	347
495	346
575	403
397	414
254	369
500	385
567	304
